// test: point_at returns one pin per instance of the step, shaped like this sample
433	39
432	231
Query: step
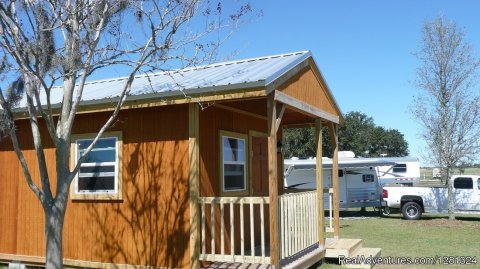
343	247
364	254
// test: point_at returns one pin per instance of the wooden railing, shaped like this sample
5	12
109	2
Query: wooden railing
222	212
298	222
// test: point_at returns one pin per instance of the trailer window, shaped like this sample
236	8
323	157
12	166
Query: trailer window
463	183
400	168
367	178
478	184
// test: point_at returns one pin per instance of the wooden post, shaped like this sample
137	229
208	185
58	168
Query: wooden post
333	132
194	183
272	181
319	179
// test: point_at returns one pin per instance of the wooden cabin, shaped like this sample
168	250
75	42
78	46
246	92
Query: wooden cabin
183	178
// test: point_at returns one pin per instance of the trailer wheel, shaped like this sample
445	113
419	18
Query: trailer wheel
385	211
411	211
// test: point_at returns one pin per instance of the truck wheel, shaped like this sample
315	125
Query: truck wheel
411	211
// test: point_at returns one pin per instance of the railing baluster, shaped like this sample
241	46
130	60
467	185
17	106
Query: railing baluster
262	233
242	232
232	230
282	228
252	232
222	229
203	228
212	226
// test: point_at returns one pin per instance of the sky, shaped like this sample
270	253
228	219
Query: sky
364	49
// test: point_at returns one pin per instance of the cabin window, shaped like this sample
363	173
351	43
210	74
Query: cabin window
463	183
99	176
400	168
234	162
367	178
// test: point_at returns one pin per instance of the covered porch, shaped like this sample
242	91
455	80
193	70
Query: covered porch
264	225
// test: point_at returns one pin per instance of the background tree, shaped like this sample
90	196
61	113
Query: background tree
358	134
446	108
61	43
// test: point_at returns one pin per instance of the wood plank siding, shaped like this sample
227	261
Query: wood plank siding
307	87
150	226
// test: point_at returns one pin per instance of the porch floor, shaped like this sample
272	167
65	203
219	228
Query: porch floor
300	261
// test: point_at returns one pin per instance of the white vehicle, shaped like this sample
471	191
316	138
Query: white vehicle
406	172
358	180
413	201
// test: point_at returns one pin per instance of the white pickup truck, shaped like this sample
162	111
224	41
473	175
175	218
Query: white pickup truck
413	201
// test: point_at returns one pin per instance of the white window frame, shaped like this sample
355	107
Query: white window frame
244	138
114	194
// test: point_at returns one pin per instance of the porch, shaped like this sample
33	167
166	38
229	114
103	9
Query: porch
234	233
240	211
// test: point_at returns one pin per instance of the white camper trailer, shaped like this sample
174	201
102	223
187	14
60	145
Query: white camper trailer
358	179
405	172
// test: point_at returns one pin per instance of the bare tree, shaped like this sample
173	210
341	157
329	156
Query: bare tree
446	108
51	43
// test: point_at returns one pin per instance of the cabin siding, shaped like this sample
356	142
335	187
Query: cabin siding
150	226
307	87
212	121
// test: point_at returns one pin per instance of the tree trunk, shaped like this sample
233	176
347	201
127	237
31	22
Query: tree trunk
54	218
451	197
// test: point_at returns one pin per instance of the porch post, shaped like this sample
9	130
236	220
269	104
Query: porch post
333	131
272	181
194	183
319	179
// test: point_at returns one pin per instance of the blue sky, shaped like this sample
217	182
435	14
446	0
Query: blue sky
363	48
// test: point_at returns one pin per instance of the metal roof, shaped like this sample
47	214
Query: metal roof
213	78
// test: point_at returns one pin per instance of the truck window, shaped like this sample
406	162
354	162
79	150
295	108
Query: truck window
400	168
367	178
463	183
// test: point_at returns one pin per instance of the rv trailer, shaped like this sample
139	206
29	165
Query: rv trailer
358	179
406	171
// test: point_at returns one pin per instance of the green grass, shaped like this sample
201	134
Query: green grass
432	236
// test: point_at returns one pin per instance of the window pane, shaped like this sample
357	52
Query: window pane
101	143
97	169
234	177
463	183
96	184
368	178
101	156
233	149
400	168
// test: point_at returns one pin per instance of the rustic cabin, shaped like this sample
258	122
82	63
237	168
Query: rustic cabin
191	172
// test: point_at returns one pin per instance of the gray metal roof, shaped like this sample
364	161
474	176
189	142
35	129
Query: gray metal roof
213	78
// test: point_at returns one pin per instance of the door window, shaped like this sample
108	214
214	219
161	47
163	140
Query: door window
463	183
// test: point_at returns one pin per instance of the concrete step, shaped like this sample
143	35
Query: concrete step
343	247
363	257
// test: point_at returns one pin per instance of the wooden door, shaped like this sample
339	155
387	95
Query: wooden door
259	166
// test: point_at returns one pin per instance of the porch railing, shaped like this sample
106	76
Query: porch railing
298	222
217	211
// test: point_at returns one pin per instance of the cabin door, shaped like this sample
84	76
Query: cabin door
259	165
